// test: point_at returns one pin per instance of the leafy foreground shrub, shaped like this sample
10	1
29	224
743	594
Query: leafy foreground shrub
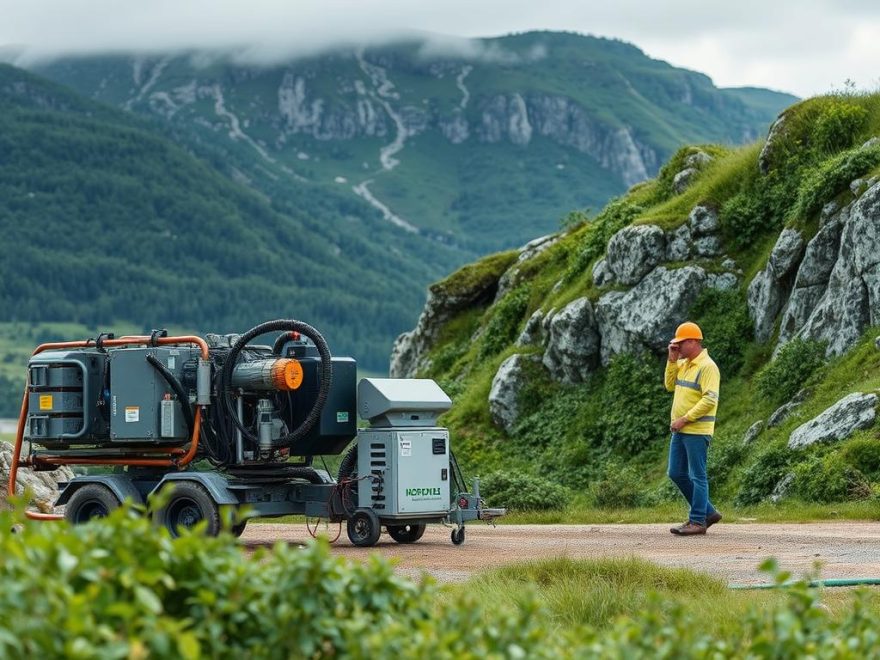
523	492
832	178
761	477
120	587
781	379
727	327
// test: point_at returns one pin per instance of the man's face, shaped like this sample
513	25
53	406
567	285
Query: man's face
689	348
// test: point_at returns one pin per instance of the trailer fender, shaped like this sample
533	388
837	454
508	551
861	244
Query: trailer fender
215	484
119	484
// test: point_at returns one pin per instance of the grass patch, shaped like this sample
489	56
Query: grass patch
605	594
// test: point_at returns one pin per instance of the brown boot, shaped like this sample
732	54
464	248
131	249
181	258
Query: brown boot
689	529
711	520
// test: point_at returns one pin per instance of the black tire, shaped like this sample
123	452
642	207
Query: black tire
364	528
406	533
90	501
458	536
188	505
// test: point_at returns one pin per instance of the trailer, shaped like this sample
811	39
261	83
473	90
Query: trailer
222	423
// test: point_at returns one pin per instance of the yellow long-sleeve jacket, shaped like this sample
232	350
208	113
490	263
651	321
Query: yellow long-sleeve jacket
695	383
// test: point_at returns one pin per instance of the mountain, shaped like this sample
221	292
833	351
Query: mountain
554	354
480	144
105	220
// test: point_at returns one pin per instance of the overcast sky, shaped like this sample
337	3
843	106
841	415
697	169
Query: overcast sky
803	47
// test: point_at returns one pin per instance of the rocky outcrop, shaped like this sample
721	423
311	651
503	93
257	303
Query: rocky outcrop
753	432
634	251
785	411
693	164
532	332
408	355
765	158
645	317
504	394
602	274
698	237
678	244
532	249
42	485
852	412
812	277
572	342
769	289
839	311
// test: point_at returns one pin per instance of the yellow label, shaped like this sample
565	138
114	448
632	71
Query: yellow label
46	402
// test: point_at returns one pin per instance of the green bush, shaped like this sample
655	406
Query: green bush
120	587
724	318
767	470
619	487
634	404
520	491
798	360
743	218
829	478
838	125
864	454
725	454
502	329
832	178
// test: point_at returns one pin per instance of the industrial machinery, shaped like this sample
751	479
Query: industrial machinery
222	422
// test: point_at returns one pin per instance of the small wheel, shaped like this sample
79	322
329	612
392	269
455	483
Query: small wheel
364	528
90	501
458	536
188	505
406	533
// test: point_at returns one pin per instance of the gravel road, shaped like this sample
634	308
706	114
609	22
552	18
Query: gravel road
729	551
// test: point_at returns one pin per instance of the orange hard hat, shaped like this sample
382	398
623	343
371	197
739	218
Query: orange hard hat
687	330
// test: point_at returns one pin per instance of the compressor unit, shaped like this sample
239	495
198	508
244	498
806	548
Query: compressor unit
222	422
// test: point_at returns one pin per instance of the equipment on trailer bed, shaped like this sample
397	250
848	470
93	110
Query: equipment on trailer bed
254	417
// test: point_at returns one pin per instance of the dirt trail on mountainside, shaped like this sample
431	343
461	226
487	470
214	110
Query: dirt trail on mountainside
731	552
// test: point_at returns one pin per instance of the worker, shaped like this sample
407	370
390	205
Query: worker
694	378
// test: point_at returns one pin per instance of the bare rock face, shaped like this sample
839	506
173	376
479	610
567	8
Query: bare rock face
703	221
812	277
852	412
572	342
634	251
678	244
768	290
602	274
683	179
504	395
532	332
42	485
850	300
645	317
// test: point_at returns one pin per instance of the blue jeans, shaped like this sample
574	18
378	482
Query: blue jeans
687	468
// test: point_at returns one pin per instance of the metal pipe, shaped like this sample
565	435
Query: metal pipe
239	444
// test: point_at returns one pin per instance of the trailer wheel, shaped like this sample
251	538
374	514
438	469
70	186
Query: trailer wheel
364	528
90	501
188	505
458	536
406	533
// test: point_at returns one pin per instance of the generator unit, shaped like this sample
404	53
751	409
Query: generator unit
256	416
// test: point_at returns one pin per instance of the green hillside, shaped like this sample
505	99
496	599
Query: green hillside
605	439
486	145
106	221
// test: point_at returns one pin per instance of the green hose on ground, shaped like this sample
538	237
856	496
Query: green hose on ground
837	582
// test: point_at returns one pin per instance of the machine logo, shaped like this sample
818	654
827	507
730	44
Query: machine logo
422	492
